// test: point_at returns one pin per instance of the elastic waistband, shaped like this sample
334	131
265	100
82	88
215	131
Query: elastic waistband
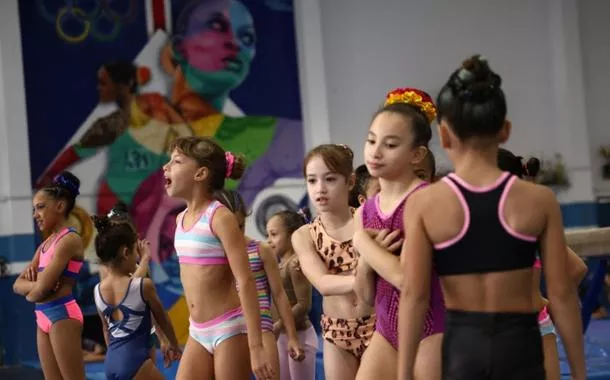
491	321
57	302
221	318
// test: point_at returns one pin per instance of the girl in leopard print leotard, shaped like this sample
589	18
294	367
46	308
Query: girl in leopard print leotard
328	260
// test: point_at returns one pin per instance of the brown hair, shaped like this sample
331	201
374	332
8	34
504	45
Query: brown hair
339	158
209	154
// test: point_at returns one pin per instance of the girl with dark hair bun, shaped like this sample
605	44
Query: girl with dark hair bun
481	228
58	259
126	305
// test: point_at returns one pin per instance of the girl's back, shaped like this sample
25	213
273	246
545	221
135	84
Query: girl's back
120	302
519	214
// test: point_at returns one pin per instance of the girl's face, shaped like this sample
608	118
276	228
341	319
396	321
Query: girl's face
180	175
277	236
388	152
328	190
372	188
47	211
423	170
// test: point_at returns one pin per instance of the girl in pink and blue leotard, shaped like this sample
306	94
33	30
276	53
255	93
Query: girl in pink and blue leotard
50	278
397	141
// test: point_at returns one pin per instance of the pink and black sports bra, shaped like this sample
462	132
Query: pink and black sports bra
46	256
486	243
199	245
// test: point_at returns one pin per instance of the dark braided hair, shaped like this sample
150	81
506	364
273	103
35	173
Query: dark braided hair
64	187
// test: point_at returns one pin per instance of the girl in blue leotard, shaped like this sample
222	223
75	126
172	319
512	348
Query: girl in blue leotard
125	304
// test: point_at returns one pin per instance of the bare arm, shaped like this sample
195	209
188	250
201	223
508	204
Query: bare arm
160	315
226	228
364	285
68	247
415	291
315	270
104	328
380	258
562	294
277	290
23	286
577	267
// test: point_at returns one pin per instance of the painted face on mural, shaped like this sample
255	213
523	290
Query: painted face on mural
219	37
326	189
46	211
106	87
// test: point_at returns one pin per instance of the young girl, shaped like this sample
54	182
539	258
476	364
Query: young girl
268	283
125	304
328	259
59	260
212	253
364	188
279	229
577	268
397	141
481	228
426	168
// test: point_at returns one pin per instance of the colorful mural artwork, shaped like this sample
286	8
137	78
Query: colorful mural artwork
110	84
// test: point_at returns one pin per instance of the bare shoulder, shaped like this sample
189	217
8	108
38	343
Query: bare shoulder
536	194
71	243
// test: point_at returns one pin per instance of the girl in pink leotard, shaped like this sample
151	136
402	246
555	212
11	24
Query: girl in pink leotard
397	141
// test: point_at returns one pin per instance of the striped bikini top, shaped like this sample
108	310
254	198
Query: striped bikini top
46	256
257	266
199	245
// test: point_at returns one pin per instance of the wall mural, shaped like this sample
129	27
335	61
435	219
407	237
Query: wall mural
111	83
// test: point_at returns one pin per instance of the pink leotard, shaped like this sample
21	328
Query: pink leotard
387	296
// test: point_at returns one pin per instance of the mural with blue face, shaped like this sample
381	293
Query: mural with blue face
228	69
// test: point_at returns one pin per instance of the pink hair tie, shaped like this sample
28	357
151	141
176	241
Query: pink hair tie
230	158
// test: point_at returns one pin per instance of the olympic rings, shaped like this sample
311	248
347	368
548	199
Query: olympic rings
93	19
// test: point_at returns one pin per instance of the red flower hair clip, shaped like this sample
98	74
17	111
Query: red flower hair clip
413	97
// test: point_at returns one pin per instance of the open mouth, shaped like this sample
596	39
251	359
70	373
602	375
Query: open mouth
167	182
232	63
322	200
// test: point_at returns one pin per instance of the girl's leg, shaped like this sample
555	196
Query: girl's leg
282	351
47	357
379	360
232	359
338	363
306	369
196	362
66	339
551	357
429	358
149	371
270	345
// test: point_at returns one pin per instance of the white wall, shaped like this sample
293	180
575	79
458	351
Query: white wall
15	191
595	38
371	47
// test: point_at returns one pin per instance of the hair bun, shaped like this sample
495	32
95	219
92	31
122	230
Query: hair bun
119	209
102	223
475	81
69	182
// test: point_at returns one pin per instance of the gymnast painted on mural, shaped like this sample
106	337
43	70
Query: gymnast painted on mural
137	135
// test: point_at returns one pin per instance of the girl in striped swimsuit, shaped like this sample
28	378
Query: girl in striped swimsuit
225	327
268	283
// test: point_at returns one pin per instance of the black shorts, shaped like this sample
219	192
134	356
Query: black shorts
492	346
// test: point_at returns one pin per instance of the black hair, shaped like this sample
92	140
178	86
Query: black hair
123	72
111	237
293	220
362	180
232	200
431	161
422	133
472	102
64	187
120	214
507	161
